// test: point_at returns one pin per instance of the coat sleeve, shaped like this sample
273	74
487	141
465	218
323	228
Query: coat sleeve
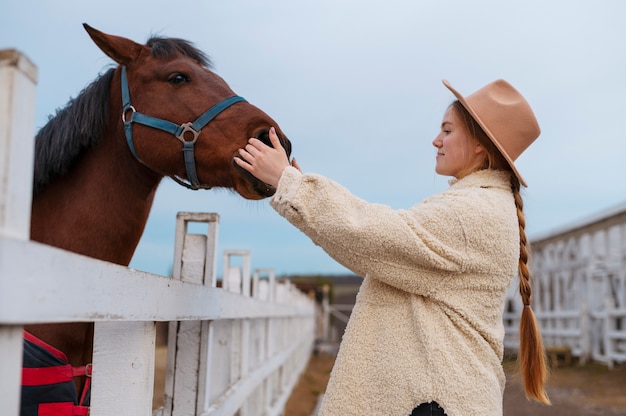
395	246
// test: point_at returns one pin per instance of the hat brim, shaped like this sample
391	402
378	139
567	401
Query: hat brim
486	129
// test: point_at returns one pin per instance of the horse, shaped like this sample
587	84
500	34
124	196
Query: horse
99	160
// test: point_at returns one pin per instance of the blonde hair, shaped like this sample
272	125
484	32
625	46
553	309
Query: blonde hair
531	355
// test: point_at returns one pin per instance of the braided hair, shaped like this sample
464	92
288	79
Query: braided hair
531	355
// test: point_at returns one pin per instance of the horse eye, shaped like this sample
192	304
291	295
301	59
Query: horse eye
178	78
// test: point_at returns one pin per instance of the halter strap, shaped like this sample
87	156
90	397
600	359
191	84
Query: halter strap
177	130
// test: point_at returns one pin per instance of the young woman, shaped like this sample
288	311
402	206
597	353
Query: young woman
426	333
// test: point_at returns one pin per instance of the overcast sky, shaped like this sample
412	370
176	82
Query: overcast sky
356	85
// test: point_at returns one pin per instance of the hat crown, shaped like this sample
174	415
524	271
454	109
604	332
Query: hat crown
505	116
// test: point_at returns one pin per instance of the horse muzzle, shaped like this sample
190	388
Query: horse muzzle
259	188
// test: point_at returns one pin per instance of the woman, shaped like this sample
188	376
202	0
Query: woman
426	333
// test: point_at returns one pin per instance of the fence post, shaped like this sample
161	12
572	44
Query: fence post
326	314
186	388
608	330
585	331
18	78
237	279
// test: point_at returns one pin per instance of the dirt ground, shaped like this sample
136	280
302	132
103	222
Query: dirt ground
589	390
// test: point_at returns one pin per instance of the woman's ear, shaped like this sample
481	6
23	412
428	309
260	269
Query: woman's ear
479	148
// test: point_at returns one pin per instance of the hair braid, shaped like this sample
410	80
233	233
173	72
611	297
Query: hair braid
531	355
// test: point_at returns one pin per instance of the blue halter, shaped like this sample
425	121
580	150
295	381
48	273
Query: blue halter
177	130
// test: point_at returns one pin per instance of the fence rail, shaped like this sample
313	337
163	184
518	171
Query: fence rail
235	349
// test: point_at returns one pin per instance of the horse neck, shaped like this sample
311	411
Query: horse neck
100	208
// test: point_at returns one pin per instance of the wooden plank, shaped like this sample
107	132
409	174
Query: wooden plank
11	363
18	76
182	224
109	292
206	376
185	395
189	334
123	368
233	275
185	268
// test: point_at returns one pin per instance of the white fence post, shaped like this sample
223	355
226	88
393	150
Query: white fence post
194	262
18	77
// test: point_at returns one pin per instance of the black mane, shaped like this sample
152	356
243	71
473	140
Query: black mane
81	123
73	129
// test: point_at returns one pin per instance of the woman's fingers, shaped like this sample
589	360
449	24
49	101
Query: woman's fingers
274	139
263	161
245	155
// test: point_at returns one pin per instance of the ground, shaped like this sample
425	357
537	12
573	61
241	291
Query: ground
589	390
581	390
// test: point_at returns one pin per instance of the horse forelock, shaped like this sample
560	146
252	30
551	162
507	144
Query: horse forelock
73	129
169	47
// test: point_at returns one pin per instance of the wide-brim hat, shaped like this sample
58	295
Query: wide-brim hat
506	117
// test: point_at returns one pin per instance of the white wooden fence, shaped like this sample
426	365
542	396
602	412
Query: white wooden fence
232	350
579	289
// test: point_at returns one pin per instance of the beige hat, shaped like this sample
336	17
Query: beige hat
505	116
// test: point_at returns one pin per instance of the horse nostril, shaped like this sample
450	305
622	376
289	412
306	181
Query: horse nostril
264	136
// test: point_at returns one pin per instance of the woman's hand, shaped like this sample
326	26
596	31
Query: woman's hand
264	162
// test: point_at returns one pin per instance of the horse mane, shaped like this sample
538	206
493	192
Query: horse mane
79	125
73	129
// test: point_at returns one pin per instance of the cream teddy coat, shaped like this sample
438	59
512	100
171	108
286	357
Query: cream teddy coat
427	323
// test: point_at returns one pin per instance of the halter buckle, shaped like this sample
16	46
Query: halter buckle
126	110
188	127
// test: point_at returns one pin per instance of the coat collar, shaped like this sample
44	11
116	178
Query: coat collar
486	178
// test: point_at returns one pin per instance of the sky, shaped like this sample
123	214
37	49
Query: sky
356	85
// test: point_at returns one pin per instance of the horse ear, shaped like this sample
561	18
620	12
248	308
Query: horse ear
121	50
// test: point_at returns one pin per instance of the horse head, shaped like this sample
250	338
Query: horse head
180	118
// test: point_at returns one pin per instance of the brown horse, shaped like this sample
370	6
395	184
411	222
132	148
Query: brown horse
99	161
